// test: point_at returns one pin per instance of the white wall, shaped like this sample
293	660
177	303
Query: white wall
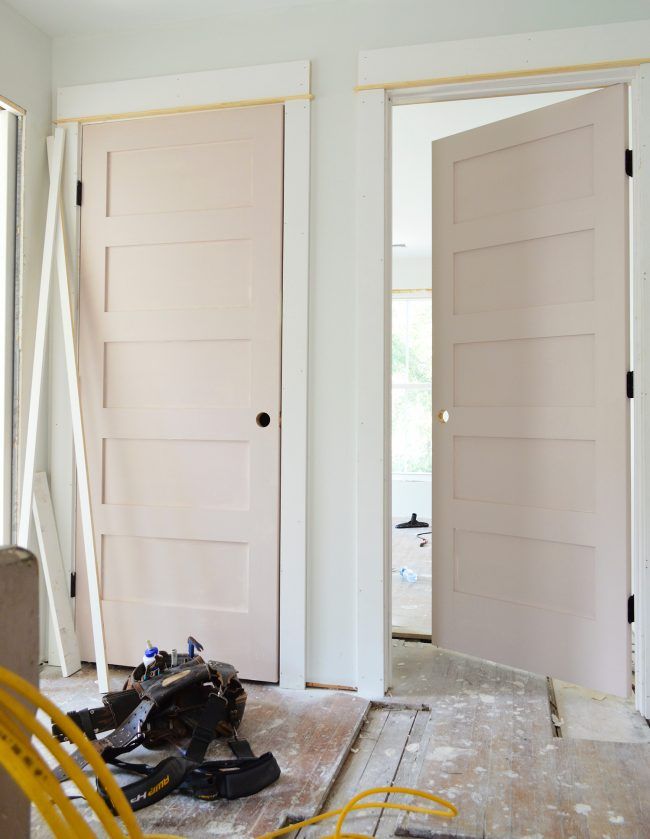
25	78
412	271
411	494
331	35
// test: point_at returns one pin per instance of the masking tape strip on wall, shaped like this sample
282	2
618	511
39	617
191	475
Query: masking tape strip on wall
505	74
8	105
411	290
187	109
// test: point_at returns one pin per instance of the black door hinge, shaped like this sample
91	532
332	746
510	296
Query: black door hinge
630	609
73	584
628	162
79	193
629	384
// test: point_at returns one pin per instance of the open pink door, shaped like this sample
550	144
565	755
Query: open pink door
531	515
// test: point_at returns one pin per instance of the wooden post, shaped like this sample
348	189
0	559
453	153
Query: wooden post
18	652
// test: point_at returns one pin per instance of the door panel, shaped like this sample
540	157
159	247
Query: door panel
180	330
531	476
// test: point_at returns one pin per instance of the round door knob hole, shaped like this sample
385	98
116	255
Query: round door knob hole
263	419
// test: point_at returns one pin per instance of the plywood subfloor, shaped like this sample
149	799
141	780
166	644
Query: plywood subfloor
591	715
309	732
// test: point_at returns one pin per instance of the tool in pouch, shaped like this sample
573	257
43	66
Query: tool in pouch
164	703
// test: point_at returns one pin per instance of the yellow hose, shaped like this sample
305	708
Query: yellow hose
450	811
30	772
73	733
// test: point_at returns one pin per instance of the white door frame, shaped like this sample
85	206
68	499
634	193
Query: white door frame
289	84
8	182
526	63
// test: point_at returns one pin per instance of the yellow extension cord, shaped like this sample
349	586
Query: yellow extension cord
30	772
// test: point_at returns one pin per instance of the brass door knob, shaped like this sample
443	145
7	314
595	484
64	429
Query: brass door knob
443	415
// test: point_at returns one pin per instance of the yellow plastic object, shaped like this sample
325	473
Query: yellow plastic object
30	772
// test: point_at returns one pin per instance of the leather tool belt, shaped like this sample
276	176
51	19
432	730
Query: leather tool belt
165	704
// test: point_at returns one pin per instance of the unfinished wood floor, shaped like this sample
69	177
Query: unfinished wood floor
477	733
487	744
309	732
385	753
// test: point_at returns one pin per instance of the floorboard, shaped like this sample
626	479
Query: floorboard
493	753
414	748
309	732
473	731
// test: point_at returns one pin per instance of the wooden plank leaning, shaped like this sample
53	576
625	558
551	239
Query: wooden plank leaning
55	251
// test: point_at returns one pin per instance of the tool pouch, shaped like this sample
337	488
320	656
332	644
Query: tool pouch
158	784
166	704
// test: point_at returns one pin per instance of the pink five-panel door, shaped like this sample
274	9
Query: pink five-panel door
179	352
531	485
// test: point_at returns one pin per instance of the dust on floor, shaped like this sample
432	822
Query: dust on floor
309	732
487	744
475	732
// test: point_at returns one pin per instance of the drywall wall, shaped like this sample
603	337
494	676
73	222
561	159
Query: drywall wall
411	494
331	35
25	78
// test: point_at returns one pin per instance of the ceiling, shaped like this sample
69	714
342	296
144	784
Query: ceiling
76	17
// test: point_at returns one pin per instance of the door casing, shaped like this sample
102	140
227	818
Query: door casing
287	83
9	182
375	103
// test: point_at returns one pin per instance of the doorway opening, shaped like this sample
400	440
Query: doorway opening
415	458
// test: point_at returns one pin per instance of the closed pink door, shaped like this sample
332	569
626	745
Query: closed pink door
180	329
530	352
